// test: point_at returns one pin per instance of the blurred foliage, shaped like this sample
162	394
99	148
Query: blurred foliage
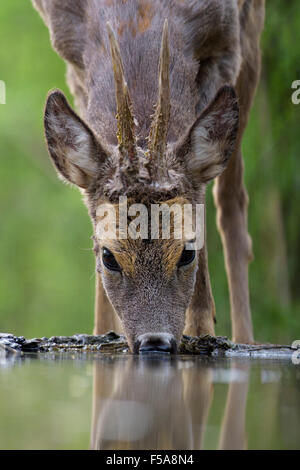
47	266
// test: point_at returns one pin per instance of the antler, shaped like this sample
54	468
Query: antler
125	119
159	127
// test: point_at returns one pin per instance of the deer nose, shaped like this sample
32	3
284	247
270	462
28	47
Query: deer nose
163	343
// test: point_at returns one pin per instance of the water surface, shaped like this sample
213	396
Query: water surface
127	402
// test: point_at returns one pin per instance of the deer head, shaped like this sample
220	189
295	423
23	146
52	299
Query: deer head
148	281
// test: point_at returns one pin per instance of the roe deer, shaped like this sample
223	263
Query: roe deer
164	88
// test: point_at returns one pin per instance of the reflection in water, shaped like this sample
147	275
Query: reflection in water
163	403
175	403
233	429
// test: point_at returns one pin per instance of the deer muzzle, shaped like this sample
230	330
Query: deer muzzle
162	343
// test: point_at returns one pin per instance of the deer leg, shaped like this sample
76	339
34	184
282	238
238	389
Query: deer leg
230	193
231	200
201	312
105	317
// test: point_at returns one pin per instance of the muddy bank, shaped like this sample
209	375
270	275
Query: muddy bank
116	344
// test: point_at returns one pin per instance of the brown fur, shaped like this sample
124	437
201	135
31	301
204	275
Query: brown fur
212	42
125	249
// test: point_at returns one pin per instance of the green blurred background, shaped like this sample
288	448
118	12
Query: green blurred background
46	262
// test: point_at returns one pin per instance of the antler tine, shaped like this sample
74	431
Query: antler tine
125	119
159	126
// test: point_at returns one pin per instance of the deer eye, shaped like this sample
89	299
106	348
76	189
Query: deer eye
109	260
187	257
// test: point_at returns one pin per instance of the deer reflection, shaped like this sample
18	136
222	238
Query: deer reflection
154	403
233	429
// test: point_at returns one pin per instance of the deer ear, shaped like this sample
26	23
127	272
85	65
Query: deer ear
213	136
73	148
